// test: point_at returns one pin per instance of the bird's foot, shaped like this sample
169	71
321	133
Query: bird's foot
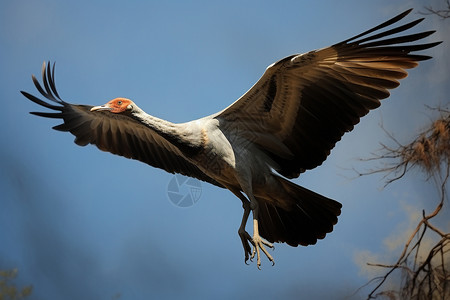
258	245
246	240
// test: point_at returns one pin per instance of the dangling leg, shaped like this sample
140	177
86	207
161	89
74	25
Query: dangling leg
257	241
243	235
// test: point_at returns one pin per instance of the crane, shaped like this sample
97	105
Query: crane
284	125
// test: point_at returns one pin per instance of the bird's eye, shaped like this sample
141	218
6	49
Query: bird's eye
119	102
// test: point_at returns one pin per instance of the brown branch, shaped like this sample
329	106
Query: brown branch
442	13
430	152
437	248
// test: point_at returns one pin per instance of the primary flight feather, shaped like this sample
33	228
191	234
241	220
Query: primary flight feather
287	123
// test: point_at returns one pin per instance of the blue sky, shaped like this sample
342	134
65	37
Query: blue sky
79	223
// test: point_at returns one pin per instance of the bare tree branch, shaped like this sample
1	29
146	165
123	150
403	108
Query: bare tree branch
442	13
426	278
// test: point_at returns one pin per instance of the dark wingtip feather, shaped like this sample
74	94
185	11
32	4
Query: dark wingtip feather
38	86
49	88
388	32
396	40
382	25
40	102
52	81
385	43
46	79
61	127
48	115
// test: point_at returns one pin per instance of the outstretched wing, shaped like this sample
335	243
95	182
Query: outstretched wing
303	104
115	133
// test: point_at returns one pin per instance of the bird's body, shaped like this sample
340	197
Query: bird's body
287	123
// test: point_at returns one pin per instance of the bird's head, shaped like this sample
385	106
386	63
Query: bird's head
117	106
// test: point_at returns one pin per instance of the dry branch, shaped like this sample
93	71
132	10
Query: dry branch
427	278
442	13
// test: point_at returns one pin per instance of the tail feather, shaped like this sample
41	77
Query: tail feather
308	217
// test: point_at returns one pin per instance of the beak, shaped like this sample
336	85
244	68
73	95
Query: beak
101	107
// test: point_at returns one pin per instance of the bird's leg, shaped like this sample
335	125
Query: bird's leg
244	236
257	241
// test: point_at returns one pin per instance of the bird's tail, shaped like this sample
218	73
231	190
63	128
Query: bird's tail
307	216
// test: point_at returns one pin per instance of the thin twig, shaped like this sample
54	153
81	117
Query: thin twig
430	151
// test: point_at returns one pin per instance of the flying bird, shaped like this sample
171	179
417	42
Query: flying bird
285	124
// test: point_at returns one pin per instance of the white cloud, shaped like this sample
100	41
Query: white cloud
399	236
362	258
394	244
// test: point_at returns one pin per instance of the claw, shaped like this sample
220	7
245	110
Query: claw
253	252
256	241
258	245
245	239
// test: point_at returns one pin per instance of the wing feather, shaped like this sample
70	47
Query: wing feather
308	101
118	134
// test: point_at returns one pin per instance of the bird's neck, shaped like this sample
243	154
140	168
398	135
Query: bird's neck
177	134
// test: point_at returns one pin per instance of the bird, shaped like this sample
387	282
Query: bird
285	124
